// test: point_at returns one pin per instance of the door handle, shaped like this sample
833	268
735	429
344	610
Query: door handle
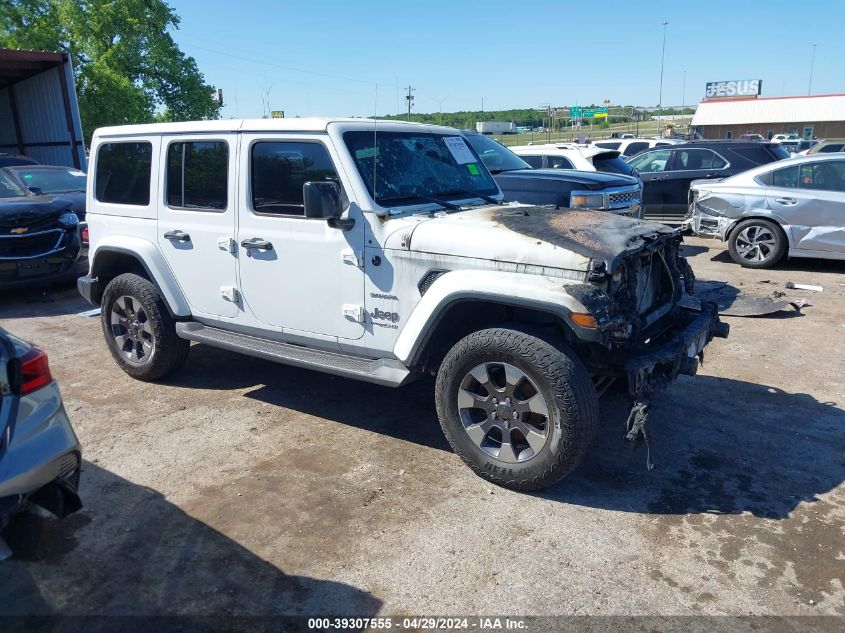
655	179
257	243
177	236
787	201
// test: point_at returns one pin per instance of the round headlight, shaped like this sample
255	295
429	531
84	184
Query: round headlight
68	220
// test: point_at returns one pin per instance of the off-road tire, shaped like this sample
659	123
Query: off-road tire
169	351
559	376
774	255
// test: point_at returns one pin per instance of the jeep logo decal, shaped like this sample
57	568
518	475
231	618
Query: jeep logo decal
393	317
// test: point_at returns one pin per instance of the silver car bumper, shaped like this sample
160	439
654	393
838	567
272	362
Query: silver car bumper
43	449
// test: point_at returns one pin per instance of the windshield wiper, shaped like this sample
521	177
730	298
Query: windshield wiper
443	203
475	194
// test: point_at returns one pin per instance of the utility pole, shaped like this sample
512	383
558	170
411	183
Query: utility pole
812	63
660	97
409	97
684	93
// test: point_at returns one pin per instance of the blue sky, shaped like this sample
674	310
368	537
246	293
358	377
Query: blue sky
350	58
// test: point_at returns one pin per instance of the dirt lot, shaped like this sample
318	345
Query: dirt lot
244	487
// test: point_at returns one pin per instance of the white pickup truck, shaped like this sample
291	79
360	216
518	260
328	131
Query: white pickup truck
381	251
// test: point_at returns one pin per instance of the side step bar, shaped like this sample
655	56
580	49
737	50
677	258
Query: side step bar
390	373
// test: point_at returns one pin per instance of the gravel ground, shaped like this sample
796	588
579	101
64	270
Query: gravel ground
244	487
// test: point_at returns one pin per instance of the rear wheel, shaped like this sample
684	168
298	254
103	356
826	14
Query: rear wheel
757	243
139	330
519	411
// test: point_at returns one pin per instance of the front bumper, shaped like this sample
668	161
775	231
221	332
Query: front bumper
679	352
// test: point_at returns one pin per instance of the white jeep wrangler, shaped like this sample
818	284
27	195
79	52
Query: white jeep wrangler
381	251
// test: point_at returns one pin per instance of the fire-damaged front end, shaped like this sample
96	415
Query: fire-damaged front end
652	327
649	327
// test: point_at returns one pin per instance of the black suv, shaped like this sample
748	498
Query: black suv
668	171
41	238
564	188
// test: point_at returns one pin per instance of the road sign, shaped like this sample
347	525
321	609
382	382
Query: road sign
277	114
575	112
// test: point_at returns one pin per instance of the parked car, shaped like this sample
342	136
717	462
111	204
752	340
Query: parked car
668	172
751	137
793	208
67	182
41	238
10	160
574	189
632	146
573	156
40	456
805	146
828	146
380	251
782	138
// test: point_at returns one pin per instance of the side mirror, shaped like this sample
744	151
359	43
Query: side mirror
36	191
322	200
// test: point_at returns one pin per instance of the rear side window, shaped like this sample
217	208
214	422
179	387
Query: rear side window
758	154
280	169
826	176
535	161
635	148
612	164
693	159
559	162
787	177
832	148
197	175
123	173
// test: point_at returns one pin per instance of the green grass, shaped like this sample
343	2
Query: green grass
646	129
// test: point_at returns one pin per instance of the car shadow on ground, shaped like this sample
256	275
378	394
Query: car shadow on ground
41	301
797	264
130	552
719	445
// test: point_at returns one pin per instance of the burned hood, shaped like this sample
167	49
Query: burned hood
32	212
541	236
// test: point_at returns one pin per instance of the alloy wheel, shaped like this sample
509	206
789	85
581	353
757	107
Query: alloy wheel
755	243
132	330
503	412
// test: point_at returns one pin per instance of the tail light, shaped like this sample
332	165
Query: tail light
84	234
35	371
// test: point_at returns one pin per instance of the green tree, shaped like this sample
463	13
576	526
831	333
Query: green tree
128	68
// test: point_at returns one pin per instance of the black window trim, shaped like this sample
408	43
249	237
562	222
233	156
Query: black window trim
125	140
191	139
290	216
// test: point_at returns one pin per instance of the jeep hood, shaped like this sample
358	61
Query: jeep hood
540	236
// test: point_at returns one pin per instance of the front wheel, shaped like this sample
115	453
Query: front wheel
757	243
139	330
517	410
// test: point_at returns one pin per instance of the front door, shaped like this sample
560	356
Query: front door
688	165
653	168
296	273
811	200
196	219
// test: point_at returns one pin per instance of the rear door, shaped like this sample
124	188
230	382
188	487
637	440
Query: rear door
653	167
196	219
689	164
